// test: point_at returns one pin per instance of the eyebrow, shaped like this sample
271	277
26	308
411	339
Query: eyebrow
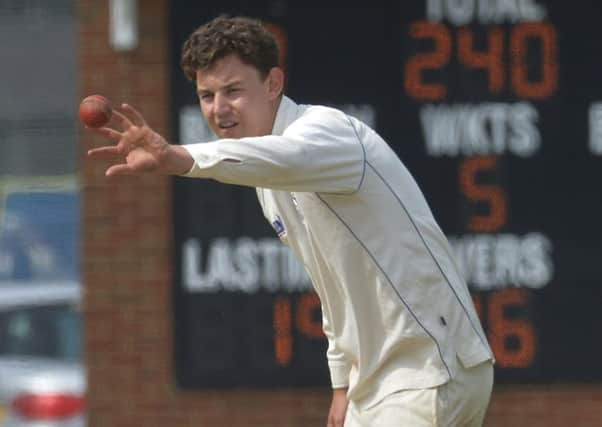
226	86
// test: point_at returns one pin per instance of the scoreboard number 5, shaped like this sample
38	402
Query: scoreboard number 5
510	331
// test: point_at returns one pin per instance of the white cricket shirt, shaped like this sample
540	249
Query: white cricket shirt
396	311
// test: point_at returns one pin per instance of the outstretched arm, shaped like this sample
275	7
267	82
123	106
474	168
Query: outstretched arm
139	148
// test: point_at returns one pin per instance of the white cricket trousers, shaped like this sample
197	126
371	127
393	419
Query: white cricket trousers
461	402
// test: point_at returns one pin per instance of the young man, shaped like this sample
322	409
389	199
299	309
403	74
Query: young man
405	344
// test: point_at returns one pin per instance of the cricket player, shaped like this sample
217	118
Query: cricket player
405	346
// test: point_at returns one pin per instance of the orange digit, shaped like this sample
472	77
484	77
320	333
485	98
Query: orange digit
492	194
414	85
491	60
283	339
308	304
502	328
549	60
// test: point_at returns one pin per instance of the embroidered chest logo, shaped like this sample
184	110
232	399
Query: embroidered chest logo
279	226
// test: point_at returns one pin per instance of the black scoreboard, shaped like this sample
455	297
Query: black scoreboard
495	106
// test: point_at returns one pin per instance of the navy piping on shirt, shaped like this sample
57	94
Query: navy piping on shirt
363	153
415	227
430	252
389	280
364	161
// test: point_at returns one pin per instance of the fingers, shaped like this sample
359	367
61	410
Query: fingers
138	119
133	117
120	169
107	132
104	151
111	152
123	119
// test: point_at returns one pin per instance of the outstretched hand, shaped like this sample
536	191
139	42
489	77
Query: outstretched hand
139	148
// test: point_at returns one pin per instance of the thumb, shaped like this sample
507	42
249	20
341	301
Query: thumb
121	169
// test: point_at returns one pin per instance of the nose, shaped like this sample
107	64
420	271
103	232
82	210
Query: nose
221	105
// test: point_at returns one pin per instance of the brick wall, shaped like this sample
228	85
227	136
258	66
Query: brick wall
127	275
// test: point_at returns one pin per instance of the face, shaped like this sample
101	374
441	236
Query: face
236	101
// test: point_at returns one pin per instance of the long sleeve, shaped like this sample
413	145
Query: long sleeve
319	152
338	365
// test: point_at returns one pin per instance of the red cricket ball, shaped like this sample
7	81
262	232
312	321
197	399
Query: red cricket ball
95	111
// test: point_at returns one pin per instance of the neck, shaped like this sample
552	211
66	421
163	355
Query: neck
277	102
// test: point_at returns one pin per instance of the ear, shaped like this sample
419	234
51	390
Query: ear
275	82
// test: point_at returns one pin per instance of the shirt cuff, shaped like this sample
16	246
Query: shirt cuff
204	156
339	374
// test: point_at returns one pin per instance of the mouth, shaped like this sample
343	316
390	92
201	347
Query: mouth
226	125
227	129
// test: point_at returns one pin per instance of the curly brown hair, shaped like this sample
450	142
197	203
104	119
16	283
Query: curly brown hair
245	37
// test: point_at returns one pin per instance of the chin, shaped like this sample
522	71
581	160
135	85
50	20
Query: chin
231	135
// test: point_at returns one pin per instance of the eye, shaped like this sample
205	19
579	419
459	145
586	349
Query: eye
206	97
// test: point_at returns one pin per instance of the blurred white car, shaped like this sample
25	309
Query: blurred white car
42	379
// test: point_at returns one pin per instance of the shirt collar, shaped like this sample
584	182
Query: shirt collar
286	114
